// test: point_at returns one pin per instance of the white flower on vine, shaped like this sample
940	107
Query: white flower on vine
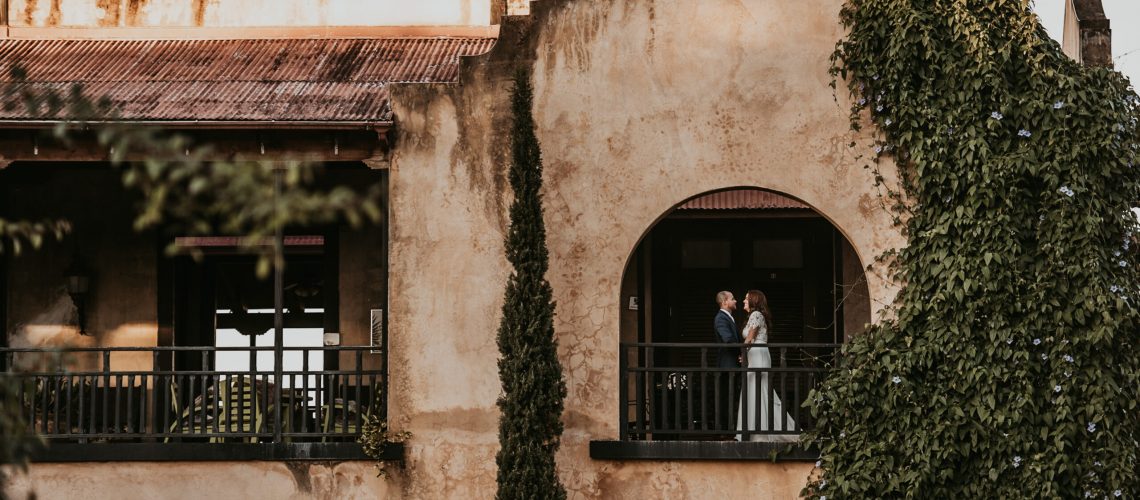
879	108
878	149
1116	493
1036	341
896	379
1009	341
1017	461
1044	356
819	463
996	115
1068	358
888	122
1092	427
1058	104
1056	388
1024	133
1123	263
1065	190
862	102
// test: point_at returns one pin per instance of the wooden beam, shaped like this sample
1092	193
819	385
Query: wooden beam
310	145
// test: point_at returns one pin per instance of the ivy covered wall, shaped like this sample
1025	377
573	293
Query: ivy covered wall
1011	369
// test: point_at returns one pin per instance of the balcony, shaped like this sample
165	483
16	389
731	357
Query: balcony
680	406
174	403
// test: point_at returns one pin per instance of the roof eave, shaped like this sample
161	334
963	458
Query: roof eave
214	124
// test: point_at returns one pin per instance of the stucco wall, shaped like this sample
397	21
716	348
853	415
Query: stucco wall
91	13
196	480
640	104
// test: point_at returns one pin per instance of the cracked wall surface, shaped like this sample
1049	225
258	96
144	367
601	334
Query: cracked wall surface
639	104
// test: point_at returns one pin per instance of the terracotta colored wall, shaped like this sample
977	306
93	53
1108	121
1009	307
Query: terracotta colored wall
640	104
196	480
91	13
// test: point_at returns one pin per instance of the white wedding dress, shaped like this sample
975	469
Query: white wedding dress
759	357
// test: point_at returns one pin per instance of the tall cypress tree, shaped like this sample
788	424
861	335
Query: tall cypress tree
530	427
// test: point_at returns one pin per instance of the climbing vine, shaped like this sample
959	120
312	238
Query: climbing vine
1010	368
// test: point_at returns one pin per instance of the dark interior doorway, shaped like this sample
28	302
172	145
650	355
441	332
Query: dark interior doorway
735	240
219	301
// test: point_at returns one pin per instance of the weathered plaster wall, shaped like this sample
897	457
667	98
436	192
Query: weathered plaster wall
640	104
196	480
91	13
518	7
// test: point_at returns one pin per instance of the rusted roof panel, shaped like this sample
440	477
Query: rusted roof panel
742	199
278	80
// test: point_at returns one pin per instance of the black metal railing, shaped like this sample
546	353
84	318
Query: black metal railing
676	391
177	394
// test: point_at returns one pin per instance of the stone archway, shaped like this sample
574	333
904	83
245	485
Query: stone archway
748	238
734	240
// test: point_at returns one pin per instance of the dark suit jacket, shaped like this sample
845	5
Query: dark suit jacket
727	357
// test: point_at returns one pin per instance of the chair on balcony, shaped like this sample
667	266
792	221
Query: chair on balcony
241	408
238	409
343	415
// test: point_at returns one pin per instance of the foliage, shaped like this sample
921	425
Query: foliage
530	427
1011	367
375	436
16	235
17	443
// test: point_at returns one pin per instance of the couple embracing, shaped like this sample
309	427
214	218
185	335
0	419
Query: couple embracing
757	396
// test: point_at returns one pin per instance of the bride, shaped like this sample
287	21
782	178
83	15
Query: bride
760	396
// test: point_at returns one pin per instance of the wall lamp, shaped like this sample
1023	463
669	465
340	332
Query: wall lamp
78	286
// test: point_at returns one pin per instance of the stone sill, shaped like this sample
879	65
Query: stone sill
700	450
169	452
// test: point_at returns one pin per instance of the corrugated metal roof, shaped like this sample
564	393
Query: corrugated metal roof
239	80
742	199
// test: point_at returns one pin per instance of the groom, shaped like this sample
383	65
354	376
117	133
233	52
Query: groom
727	357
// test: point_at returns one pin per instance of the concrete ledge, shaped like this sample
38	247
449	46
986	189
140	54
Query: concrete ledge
166	452
699	450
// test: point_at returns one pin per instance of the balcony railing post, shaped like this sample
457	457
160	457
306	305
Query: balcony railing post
278	304
623	391
106	386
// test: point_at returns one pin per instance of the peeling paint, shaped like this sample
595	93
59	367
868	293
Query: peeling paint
200	12
240	13
110	10
133	7
300	472
29	12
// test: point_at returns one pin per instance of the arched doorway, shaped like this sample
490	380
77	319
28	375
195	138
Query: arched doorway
734	240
